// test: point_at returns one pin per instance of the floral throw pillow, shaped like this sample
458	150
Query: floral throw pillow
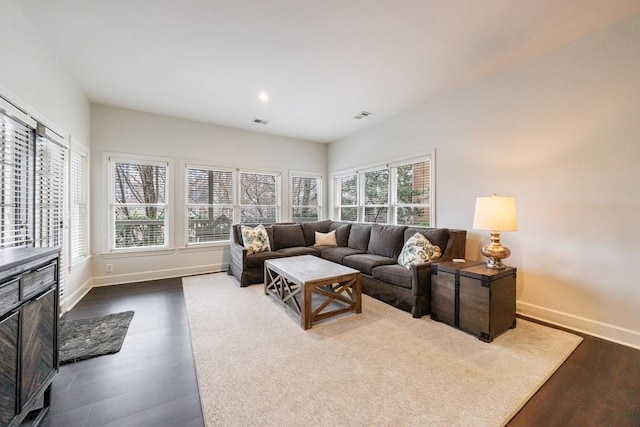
255	239
417	250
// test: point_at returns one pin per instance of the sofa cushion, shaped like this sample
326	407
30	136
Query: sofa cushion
255	239
418	250
437	236
299	250
394	274
386	240
366	262
359	236
342	232
337	253
287	236
326	239
309	229
258	259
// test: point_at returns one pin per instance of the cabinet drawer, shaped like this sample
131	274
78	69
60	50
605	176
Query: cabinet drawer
9	295
38	280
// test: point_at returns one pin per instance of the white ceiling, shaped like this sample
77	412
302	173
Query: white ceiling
321	61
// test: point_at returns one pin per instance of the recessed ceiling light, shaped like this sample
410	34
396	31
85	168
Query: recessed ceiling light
263	96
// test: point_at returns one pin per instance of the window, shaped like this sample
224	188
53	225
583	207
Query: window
210	204
305	197
50	183
33	173
78	212
375	189
259	197
347	190
16	181
139	204
413	197
395	194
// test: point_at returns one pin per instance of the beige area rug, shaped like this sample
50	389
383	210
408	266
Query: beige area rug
257	367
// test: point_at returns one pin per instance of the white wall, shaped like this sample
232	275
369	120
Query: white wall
32	77
116	130
561	134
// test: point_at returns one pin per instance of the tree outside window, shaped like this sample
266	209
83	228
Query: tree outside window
210	207
259	197
348	198
140	204
376	196
396	194
413	197
304	198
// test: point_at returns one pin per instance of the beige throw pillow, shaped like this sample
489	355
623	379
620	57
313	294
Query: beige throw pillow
326	239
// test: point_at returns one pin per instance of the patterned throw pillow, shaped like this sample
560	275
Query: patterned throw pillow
417	250
255	239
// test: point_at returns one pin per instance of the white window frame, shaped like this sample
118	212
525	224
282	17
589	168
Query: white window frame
233	206
278	183
80	152
111	160
393	204
338	195
319	192
362	202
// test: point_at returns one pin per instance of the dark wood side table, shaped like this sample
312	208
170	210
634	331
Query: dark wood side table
474	298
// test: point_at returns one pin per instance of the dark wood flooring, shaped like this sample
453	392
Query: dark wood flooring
151	381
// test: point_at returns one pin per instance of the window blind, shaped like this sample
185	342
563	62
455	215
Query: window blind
413	198
304	198
376	196
78	207
348	197
49	198
139	204
16	181
210	207
259	197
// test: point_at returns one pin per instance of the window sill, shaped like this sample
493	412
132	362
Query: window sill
126	253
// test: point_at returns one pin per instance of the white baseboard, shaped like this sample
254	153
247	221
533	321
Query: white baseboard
72	299
119	279
580	324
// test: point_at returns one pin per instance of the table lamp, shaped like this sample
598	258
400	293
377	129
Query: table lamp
496	214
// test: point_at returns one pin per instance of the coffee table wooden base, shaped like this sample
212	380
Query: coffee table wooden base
317	299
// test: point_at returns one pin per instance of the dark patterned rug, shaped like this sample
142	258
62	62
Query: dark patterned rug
85	338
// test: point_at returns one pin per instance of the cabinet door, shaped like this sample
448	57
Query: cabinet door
38	344
474	307
8	368
443	297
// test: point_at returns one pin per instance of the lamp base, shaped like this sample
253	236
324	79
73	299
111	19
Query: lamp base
495	252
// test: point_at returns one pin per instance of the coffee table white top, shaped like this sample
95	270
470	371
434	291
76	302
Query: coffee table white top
308	268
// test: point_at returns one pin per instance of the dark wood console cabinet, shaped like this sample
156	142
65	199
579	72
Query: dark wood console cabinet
474	298
28	332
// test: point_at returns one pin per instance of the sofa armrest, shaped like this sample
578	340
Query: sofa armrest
421	279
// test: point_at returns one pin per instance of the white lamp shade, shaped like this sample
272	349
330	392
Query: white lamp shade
495	213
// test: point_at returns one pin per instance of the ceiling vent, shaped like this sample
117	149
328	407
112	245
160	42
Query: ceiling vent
362	115
261	121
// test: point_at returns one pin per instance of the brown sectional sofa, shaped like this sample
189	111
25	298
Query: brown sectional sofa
372	249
